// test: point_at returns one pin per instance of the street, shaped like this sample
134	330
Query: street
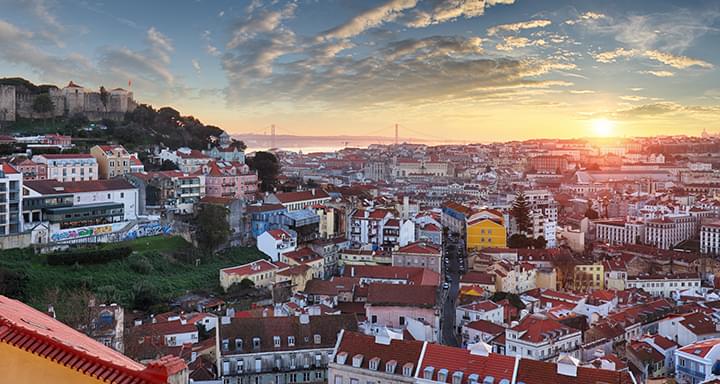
454	251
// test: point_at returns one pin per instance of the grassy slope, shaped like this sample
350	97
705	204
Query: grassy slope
169	276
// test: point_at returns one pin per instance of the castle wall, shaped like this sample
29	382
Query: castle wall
7	103
17	103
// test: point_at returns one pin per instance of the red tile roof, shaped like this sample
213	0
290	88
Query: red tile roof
26	328
533	372
399	351
486	327
538	328
67	156
302	255
420	247
474	277
290	197
699	324
402	295
50	187
279	234
258	266
482	306
700	348
8	169
412	275
461	360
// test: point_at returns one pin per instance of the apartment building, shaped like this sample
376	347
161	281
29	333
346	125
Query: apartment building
538	337
112	160
664	285
667	232
69	167
279	350
710	238
418	254
11	200
620	231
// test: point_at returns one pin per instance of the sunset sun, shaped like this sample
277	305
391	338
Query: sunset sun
603	127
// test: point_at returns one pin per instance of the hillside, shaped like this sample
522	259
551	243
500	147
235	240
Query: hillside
143	126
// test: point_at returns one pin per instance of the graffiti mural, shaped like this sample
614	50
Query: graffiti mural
148	229
79	233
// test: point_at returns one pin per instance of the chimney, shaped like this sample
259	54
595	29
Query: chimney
312	191
51	311
352	271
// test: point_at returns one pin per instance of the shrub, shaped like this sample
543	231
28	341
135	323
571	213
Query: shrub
88	256
140	264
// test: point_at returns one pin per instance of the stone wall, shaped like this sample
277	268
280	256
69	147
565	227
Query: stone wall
17	103
7	103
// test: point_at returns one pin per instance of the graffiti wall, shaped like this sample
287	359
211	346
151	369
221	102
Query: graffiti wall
148	229
79	233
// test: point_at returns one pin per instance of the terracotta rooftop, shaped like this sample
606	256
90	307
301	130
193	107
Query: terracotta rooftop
399	351
51	187
402	295
28	329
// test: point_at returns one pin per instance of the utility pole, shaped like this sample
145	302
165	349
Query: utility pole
396	134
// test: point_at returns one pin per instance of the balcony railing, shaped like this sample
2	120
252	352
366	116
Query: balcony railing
690	372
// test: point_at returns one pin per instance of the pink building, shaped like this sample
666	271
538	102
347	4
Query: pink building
32	170
56	139
401	307
229	179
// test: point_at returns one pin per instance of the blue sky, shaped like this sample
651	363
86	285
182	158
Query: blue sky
475	70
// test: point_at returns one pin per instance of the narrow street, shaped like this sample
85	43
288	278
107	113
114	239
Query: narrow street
454	251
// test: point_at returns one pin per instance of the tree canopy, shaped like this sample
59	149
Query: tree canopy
268	168
213	228
520	211
43	104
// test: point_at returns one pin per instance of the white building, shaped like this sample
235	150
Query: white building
276	242
710	238
188	160
483	310
69	167
620	231
11	182
664	286
688	328
695	363
670	230
538	337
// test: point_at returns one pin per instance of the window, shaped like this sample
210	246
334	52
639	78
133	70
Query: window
338	380
291	341
238	344
256	343
317	339
258	364
354	381
373	319
402	320
276	341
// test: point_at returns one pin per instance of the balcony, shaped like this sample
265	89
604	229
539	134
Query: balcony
690	372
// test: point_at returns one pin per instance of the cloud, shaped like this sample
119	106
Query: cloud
516	27
510	43
582	92
659	73
662	109
450	10
632	98
589	16
196	65
254	25
401	72
675	61
370	18
160	43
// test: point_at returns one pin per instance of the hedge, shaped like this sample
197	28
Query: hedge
90	256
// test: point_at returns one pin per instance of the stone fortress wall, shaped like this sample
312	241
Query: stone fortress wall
16	102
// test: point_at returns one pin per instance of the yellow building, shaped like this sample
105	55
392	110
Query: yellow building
260	272
486	229
36	348
113	160
589	277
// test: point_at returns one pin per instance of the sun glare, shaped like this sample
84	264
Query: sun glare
603	127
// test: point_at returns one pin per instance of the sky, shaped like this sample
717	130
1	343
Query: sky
468	70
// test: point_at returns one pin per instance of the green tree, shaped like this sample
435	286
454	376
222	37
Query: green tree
12	283
539	243
213	228
104	96
42	105
519	240
520	211
267	167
